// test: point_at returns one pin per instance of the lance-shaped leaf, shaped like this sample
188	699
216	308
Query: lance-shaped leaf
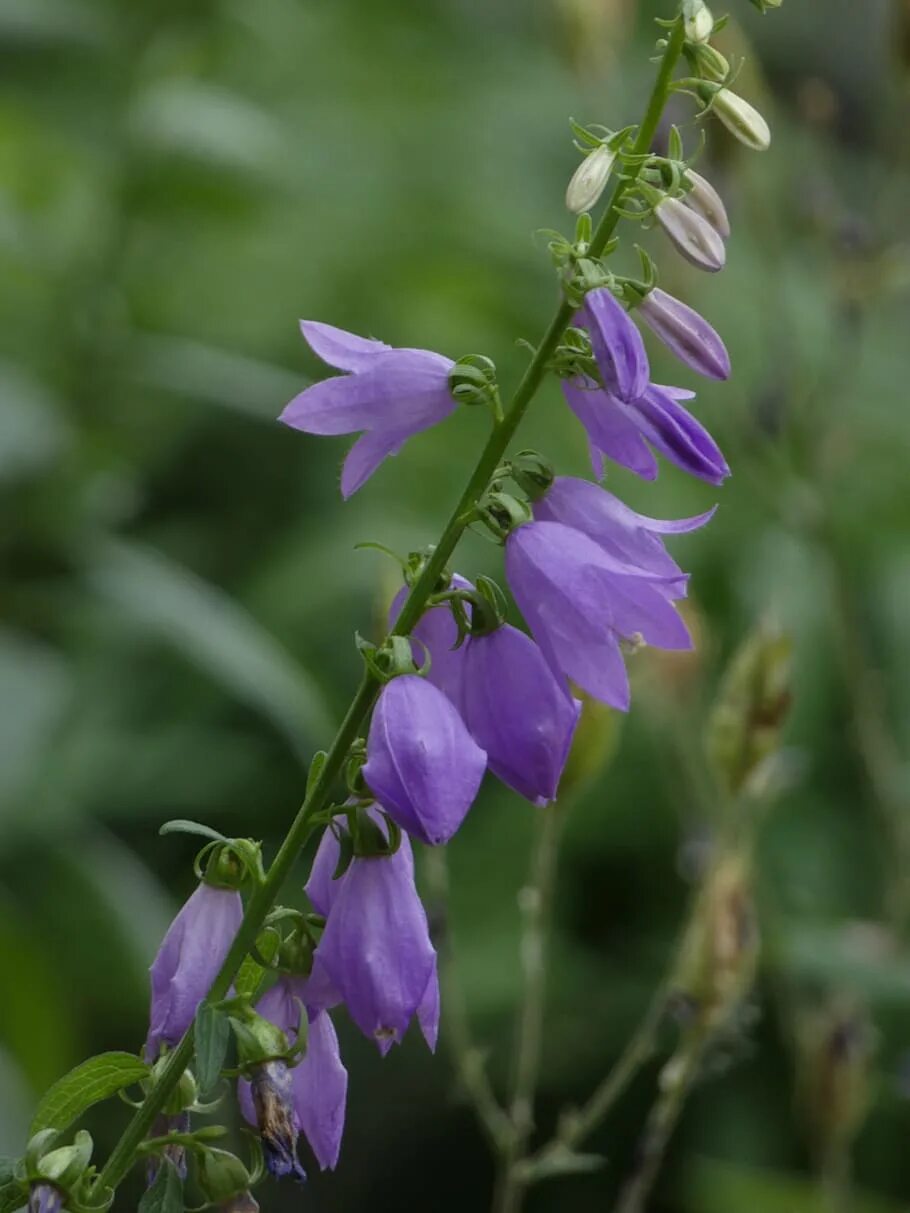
94	1080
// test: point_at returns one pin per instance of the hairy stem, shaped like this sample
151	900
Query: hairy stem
266	894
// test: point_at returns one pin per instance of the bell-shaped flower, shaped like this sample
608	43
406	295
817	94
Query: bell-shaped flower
624	534
518	711
616	344
376	948
190	956
388	394
423	766
318	1083
579	601
686	334
626	431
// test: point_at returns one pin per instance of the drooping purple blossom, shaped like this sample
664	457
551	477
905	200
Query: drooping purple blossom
422	764
319	1081
45	1198
626	431
579	601
376	948
518	711
513	705
388	394
624	534
616	344
175	1153
686	334
192	952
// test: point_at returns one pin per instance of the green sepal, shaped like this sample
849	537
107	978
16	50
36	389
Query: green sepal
89	1083
252	974
345	853
317	765
166	1194
258	1040
211	1038
182	826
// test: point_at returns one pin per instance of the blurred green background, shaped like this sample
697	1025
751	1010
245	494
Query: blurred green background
180	180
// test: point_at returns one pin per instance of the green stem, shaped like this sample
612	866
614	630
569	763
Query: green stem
265	895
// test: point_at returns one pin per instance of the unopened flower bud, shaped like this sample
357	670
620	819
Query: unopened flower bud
708	62
66	1165
705	199
590	179
692	235
532	473
742	120
698	21
720	951
685	333
835	1052
745	723
258	1039
222	1177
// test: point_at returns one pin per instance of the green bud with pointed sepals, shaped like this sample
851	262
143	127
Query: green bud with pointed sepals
257	1039
221	1176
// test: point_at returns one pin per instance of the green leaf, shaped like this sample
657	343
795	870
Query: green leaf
316	766
7	1169
252	974
166	1193
181	826
89	1083
211	1041
12	1197
214	632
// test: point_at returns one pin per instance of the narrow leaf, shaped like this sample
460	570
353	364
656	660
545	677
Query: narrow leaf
181	826
211	1041
315	770
88	1084
166	1193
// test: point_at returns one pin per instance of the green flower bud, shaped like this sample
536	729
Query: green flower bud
66	1165
835	1053
742	120
745	724
590	179
258	1040
698	22
221	1176
532	473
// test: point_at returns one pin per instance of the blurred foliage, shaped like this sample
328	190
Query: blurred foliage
179	181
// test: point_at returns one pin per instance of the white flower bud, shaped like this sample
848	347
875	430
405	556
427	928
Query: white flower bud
705	199
742	120
698	21
589	180
692	235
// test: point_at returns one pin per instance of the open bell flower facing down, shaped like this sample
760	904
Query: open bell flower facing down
685	334
423	766
511	702
579	602
388	394
318	1083
376	945
627	431
192	952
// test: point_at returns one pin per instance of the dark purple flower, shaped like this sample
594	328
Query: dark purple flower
422	765
686	334
376	947
273	1109
518	710
623	533
616	344
192	952
619	429
579	601
390	394
319	1081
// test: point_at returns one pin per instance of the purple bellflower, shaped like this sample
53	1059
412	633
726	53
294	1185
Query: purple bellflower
45	1198
389	394
192	952
627	431
685	334
318	1083
512	703
376	945
579	601
623	533
422	764
616	344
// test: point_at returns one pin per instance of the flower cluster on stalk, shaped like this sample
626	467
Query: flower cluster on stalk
467	691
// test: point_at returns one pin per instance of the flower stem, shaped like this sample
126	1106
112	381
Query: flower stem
266	894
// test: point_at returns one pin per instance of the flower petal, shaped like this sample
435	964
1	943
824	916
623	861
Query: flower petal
320	1087
609	429
403	391
338	348
616	343
675	433
365	456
